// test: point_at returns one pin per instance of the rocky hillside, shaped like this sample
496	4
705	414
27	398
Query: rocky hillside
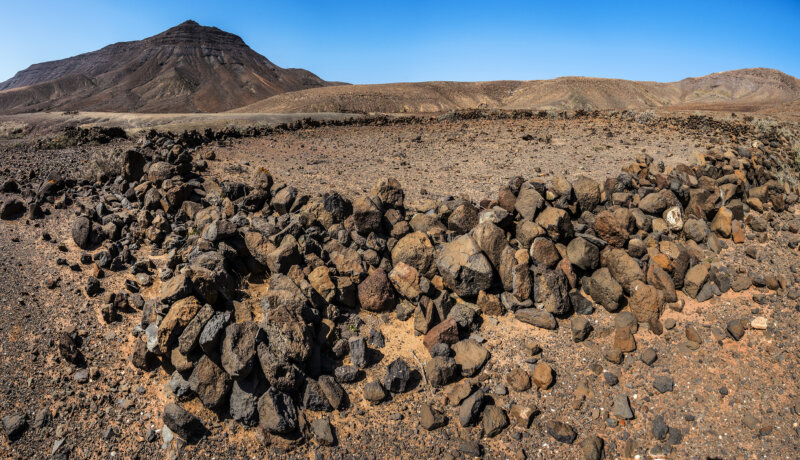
188	68
749	89
579	319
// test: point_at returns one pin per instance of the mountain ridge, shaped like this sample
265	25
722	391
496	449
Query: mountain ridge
192	68
755	87
187	68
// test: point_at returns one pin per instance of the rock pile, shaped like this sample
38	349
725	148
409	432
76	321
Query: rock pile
545	253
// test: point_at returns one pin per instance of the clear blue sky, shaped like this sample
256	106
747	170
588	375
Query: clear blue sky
386	41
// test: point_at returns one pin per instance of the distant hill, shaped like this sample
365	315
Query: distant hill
188	68
746	89
193	68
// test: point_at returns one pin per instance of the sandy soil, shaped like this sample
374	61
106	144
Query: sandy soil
471	158
716	386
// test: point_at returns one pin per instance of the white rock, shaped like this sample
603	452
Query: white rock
674	218
759	322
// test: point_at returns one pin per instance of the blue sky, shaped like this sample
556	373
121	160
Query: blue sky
379	42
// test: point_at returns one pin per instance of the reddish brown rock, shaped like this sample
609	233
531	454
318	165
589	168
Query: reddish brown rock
646	302
376	292
444	332
542	375
722	222
614	226
737	232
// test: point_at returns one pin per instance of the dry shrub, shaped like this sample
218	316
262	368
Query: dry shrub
104	165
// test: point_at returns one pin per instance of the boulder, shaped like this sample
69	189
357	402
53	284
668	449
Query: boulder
175	288
543	252
182	422
338	206
277	412
405	280
367	215
491	239
646	302
441	370
160	171
654	203
12	208
695	230
314	398
320	280
444	332
210	336
332	390
493	421
430	418
464	268
561	432
376	293
556	223
695	278
624	268
470	408
398	375
374	392
219	230
416	250
463	218
551	291
346	260
656	276
471	356
281	374
518	379
282	319
536	317
673	216
528	202
177	318
583	254
323	432
245	394
81	232
605	290
542	375
284	199
239	348
210	382
722	222
389	191
614	226
284	257
190	337
587	193
580	327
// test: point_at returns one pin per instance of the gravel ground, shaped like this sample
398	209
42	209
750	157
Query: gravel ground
469	157
730	399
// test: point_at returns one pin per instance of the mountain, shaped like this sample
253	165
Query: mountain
745	89
192	68
188	68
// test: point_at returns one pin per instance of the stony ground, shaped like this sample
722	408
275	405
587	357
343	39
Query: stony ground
472	158
730	399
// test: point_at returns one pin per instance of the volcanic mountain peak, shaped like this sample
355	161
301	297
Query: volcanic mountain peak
187	68
190	32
